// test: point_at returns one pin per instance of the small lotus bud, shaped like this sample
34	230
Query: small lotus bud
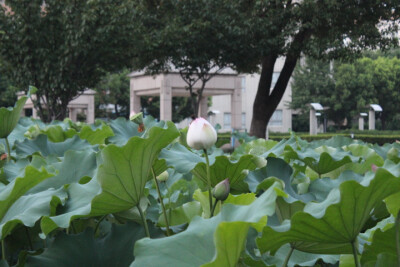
221	190
201	134
3	156
374	167
163	177
136	118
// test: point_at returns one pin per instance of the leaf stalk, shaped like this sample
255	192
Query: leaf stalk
285	263
355	254
161	201
8	150
397	229
208	178
146	227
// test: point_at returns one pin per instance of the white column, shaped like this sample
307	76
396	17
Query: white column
203	109
313	122
34	113
134	99
165	99
90	110
371	120
361	123
73	114
236	105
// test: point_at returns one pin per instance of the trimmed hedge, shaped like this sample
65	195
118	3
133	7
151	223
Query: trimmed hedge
379	139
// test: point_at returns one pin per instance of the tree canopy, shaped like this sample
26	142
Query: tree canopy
64	47
251	35
348	88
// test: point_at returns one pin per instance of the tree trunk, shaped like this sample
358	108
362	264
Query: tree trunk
260	120
266	102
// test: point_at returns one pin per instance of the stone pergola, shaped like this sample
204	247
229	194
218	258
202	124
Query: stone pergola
84	102
170	85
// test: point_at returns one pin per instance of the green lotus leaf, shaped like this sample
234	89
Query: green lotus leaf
382	250
114	249
42	145
207	241
9	117
280	169
328	160
96	136
16	207
125	170
182	214
125	129
223	168
184	160
331	226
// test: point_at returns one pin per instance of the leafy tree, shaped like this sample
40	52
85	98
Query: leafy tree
64	47
372	81
251	35
114	89
349	88
183	37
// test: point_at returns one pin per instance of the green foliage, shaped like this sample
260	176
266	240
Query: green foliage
348	88
71	192
64	47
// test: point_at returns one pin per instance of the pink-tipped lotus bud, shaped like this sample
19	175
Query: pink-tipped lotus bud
201	134
136	118
3	156
221	190
163	176
374	167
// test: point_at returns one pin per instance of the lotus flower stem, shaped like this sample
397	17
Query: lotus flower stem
208	178
397	229
98	223
355	254
285	264
162	202
3	250
8	150
146	227
29	238
213	208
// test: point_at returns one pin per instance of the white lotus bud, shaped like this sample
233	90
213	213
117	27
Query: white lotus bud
201	134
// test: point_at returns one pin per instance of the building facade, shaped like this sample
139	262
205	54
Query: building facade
281	121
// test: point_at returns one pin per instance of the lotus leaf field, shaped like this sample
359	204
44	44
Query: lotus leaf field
73	194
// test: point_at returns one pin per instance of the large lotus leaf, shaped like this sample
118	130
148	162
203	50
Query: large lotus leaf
45	147
321	163
56	133
297	258
96	136
236	171
75	166
182	214
279	148
329	227
209	240
256	147
114	249
125	170
367	156
125	129
78	205
182	159
382	248
321	188
9	117
280	169
336	141
14	205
